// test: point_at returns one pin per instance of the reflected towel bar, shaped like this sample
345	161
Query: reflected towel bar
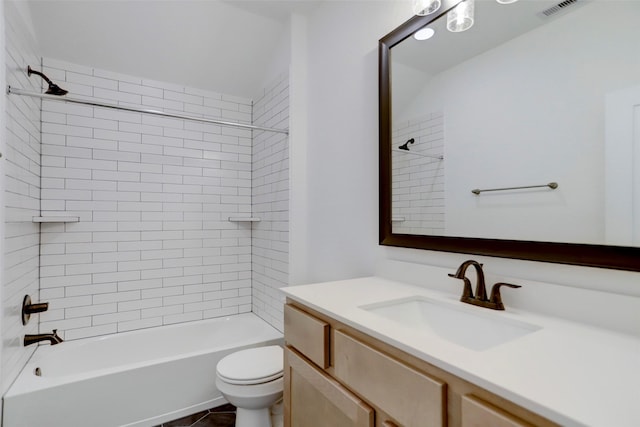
551	185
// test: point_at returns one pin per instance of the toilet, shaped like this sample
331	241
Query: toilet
251	380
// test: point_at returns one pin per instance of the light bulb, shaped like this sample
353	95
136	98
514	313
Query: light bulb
425	7
424	34
460	18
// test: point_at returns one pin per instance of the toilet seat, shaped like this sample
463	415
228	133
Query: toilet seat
252	366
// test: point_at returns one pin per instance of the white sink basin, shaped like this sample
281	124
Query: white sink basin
466	326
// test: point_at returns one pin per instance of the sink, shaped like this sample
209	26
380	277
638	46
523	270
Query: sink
465	326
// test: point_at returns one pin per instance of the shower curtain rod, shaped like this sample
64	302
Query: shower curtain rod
419	154
141	110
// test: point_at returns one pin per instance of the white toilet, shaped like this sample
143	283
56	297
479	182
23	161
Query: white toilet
251	380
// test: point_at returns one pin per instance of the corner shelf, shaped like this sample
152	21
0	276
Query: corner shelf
56	219
243	219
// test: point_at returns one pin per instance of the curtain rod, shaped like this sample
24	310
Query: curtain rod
141	110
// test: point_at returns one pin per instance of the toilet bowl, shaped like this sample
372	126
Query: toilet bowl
251	380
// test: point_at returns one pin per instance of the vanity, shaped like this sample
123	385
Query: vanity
376	352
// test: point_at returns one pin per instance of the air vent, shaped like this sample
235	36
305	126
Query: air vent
559	7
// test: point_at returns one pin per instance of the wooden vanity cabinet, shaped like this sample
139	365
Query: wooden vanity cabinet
476	413
408	395
314	399
337	376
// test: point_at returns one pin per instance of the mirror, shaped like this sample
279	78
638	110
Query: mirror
536	94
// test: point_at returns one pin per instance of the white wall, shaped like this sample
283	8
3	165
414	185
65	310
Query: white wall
270	202
559	101
342	144
153	245
298	141
417	181
213	45
21	191
3	146
342	135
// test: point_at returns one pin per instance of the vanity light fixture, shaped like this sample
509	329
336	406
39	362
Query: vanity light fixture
460	18
424	33
425	7
506	1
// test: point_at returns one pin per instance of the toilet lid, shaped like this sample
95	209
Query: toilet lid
252	366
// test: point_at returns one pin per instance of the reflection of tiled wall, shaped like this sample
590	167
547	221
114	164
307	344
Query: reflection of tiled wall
270	238
21	163
153	245
418	182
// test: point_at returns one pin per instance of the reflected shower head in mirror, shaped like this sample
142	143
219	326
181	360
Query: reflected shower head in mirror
405	146
54	89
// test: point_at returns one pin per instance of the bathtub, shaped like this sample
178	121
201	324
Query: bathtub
138	378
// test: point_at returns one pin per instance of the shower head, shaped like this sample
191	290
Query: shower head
54	89
405	146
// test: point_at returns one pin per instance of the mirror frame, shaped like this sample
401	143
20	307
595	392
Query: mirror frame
603	256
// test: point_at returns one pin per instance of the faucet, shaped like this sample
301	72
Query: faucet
480	297
53	338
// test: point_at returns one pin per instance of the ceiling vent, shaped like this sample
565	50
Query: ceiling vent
558	8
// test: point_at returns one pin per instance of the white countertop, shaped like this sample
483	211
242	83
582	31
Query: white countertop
570	373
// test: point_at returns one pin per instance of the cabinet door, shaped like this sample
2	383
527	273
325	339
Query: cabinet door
313	399
412	398
308	335
476	413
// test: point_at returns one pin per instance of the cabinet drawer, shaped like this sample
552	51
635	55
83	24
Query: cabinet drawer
476	413
410	397
313	399
308	335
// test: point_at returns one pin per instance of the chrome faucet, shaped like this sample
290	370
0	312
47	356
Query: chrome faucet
53	338
480	297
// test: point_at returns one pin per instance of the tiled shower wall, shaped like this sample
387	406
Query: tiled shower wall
418	199
22	194
153	244
270	177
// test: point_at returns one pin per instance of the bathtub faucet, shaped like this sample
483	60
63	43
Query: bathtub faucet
53	338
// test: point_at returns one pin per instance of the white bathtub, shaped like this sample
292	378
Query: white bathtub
139	378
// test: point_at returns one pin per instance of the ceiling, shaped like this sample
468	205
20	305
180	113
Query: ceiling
494	24
224	46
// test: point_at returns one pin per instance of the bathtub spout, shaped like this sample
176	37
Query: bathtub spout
53	338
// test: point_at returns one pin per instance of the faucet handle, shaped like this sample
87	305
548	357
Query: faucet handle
496	298
467	293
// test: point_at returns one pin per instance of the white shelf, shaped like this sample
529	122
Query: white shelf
56	219
397	219
243	219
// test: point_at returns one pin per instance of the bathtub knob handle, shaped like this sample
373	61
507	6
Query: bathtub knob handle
28	309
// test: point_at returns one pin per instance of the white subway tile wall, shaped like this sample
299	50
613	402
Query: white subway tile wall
417	188
270	237
153	245
21	163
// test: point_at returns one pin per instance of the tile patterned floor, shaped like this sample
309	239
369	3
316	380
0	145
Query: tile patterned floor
221	416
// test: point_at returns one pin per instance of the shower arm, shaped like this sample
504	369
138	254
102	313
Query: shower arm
38	73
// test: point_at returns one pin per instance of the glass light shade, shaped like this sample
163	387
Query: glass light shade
506	1
425	7
424	34
460	18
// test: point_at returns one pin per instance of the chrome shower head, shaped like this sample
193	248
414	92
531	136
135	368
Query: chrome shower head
53	89
405	146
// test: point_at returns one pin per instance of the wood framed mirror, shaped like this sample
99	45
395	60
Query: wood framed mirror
593	217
